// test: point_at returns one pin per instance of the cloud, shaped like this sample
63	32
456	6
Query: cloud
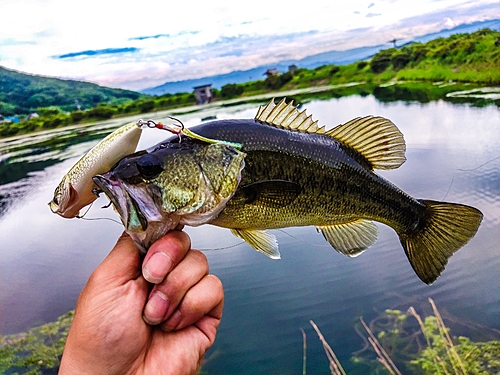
106	51
165	35
15	42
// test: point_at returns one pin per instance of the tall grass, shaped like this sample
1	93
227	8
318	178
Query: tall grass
441	355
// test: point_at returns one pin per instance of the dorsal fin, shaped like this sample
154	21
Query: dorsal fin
376	138
287	116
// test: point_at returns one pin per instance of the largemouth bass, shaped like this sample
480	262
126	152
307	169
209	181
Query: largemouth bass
289	172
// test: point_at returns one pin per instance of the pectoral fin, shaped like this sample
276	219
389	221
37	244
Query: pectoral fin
351	238
260	240
270	193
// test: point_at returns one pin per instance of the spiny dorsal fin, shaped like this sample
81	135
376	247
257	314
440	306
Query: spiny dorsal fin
260	240
376	138
351	238
287	116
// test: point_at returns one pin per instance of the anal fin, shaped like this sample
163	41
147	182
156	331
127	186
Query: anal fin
260	240
350	238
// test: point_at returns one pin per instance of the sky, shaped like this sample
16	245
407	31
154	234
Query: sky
137	45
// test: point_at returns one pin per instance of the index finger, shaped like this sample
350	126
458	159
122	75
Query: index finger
164	255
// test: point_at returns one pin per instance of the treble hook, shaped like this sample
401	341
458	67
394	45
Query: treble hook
180	129
172	128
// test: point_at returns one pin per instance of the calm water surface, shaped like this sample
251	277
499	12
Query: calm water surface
453	154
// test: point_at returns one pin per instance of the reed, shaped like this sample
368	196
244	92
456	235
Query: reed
441	355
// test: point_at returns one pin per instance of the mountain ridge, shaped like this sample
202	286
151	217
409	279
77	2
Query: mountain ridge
22	93
309	62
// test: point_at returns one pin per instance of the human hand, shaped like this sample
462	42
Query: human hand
109	334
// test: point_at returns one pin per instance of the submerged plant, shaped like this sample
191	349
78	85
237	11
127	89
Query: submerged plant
37	351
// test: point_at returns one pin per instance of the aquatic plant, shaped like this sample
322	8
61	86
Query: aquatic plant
37	351
394	340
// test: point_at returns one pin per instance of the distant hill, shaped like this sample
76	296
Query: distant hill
242	76
24	93
310	62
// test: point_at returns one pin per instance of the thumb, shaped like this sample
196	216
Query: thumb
122	263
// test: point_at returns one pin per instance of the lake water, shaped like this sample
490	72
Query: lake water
453	154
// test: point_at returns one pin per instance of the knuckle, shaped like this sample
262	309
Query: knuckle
199	258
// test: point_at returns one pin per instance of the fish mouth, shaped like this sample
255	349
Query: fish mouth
139	207
115	194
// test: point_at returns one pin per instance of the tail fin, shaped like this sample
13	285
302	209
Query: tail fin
446	228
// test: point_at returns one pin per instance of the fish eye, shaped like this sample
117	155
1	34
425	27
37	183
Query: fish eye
149	166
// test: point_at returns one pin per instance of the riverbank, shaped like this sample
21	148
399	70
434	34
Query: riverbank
423	92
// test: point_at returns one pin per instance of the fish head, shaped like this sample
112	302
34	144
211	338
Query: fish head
185	183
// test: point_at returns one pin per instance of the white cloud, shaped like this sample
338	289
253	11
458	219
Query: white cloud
207	38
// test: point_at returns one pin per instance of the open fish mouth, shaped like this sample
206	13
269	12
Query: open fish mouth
138	208
134	204
115	194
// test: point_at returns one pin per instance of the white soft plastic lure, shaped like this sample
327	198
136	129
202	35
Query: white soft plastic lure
76	188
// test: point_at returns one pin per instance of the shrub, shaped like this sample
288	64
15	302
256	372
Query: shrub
77	116
231	90
362	65
400	59
101	112
147	106
382	60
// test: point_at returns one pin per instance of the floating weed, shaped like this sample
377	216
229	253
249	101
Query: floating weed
37	351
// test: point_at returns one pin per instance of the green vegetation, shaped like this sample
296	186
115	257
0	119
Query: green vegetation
459	62
53	117
24	93
36	352
396	340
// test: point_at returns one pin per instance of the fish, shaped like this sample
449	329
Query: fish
288	172
75	190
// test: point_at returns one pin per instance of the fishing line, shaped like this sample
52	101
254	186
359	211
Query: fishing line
223	248
449	187
482	165
96	218
467	170
301	240
86	212
100	218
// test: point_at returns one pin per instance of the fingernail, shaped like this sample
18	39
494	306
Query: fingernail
156	308
157	268
172	322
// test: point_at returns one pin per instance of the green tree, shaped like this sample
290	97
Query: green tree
147	106
382	60
231	90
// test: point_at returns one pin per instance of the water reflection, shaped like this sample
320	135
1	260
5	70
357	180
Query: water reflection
452	155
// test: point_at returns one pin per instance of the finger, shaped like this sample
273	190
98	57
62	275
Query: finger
122	262
164	255
166	296
202	305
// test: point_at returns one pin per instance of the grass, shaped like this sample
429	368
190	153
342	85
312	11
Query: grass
399	344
